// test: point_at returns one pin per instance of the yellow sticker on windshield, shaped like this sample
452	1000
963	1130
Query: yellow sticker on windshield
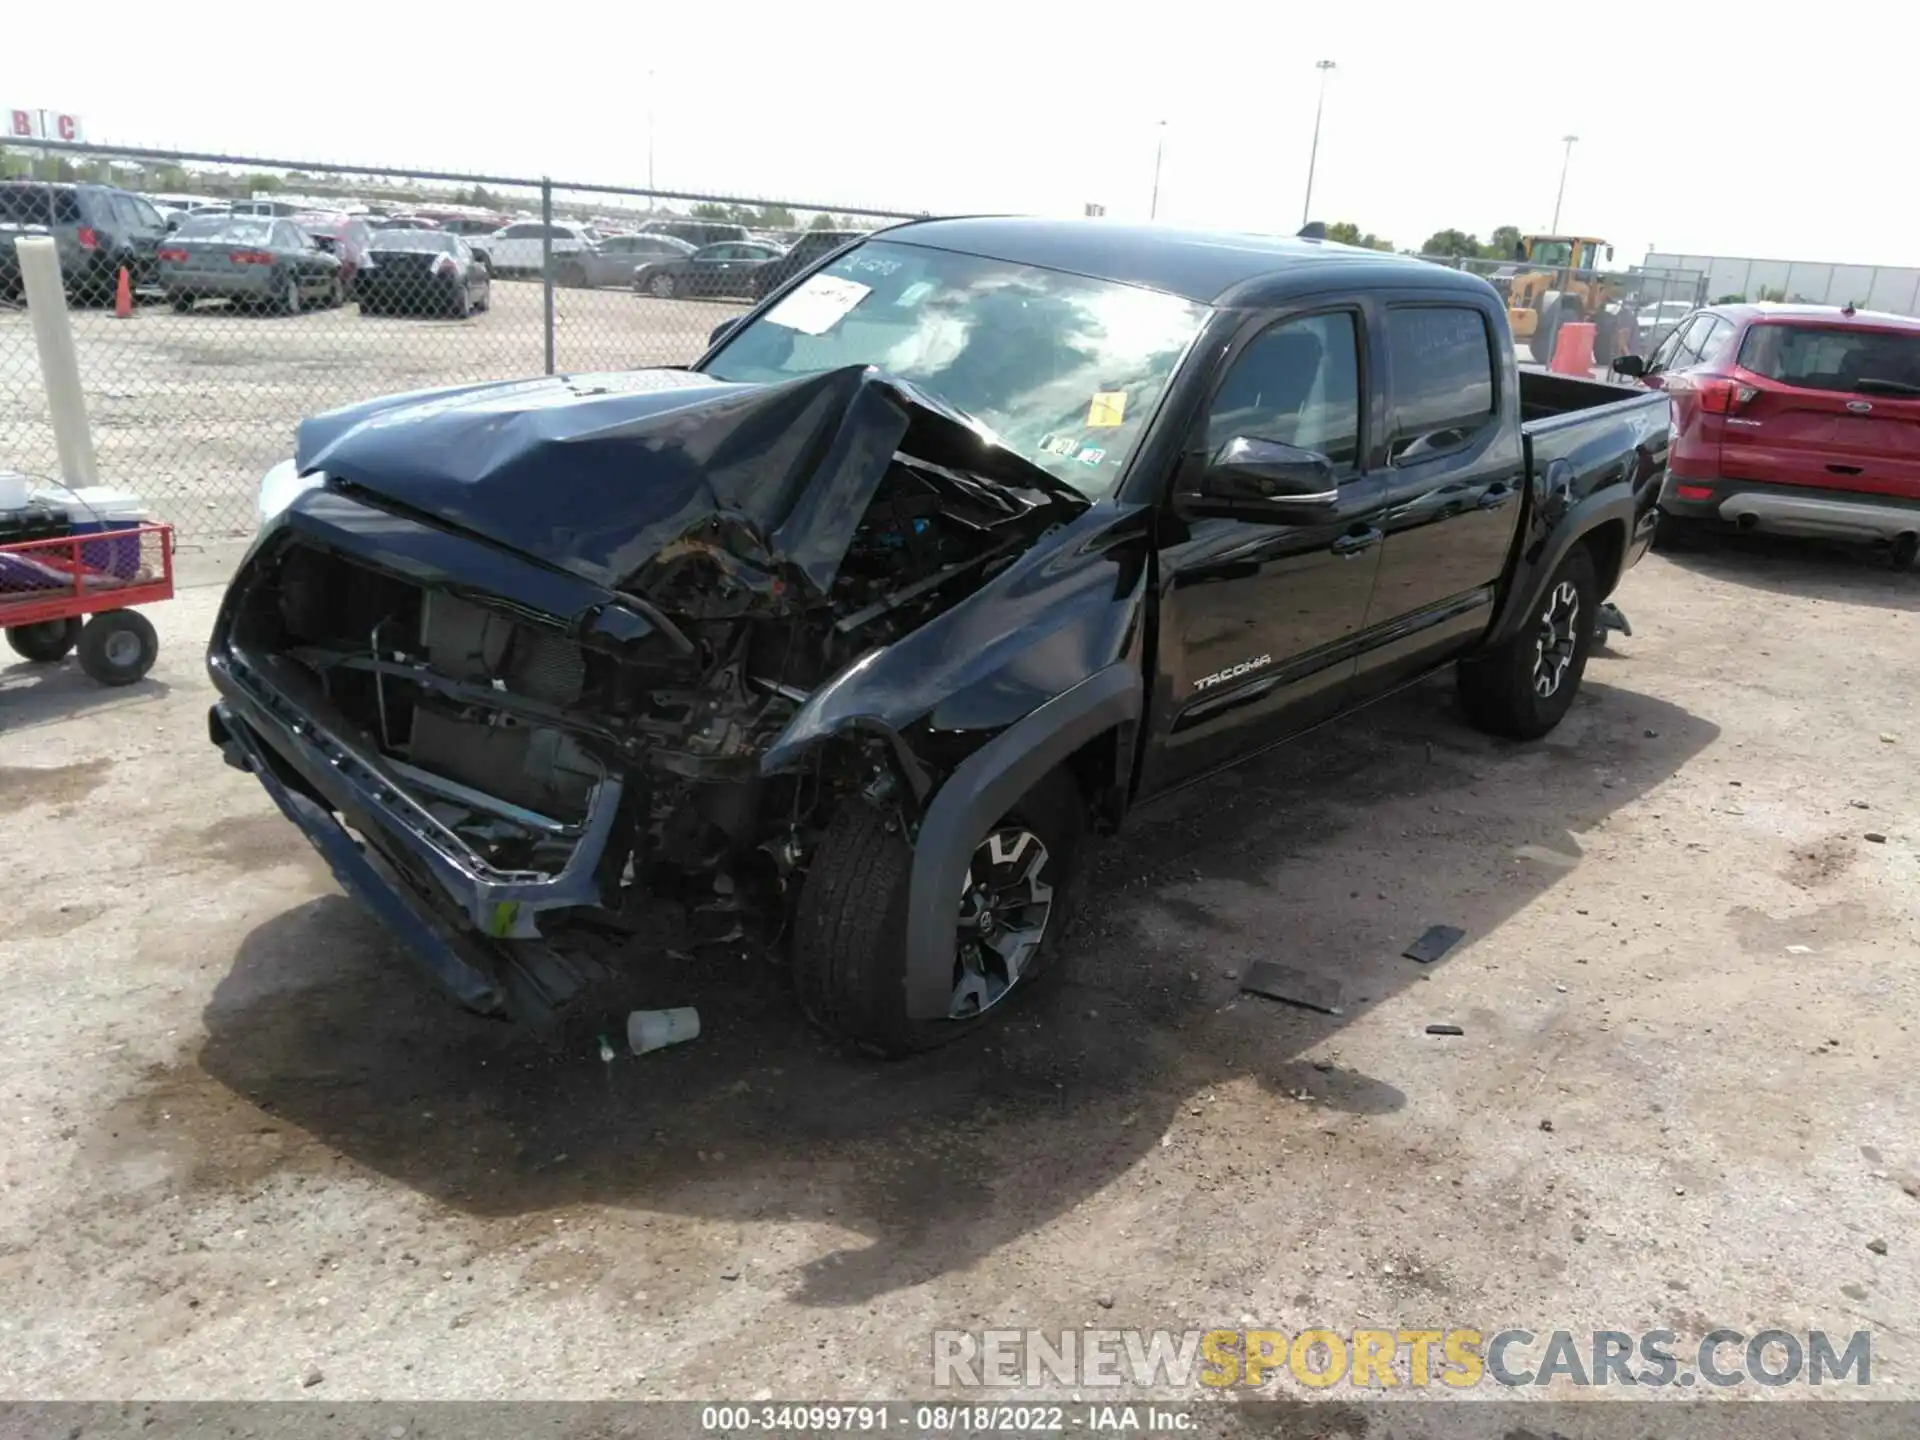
1109	408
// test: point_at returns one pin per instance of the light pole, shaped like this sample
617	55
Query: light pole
1159	147
1568	160
1313	156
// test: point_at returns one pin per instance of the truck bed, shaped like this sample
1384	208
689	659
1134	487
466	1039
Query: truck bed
1544	395
1592	425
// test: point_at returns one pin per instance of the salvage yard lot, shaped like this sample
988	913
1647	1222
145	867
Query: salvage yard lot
191	409
246	1152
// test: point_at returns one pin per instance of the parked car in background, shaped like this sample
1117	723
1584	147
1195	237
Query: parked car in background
97	229
1795	419
264	207
256	261
715	271
696	232
808	250
474	230
1653	323
423	272
405	222
345	238
614	259
189	204
520	248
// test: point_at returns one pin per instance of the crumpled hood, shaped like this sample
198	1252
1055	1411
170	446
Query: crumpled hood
598	474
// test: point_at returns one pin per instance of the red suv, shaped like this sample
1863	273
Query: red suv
1795	419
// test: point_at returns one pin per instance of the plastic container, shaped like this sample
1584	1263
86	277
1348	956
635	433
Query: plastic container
657	1029
102	510
13	490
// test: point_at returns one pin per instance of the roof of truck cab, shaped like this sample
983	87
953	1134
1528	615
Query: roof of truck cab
1215	267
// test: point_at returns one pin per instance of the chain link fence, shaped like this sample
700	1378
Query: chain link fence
1632	308
264	291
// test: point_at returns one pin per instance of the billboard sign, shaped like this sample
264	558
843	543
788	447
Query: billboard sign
42	125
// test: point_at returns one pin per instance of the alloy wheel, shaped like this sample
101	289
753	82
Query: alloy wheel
1557	639
1004	909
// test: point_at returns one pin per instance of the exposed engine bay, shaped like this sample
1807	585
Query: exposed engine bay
503	726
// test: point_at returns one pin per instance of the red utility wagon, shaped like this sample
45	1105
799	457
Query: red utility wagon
48	587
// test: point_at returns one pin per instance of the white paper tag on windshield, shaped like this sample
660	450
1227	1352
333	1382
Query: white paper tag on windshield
816	307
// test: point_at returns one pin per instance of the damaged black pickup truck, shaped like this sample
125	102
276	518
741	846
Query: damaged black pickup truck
941	559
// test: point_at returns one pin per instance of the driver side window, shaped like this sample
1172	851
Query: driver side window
1298	384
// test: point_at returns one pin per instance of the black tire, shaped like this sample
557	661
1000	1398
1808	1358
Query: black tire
849	939
117	647
1546	328
462	307
336	294
1680	534
572	275
368	307
286	299
1500	690
661	287
45	642
1904	552
182	304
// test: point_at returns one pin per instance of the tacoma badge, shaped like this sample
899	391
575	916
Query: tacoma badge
1232	672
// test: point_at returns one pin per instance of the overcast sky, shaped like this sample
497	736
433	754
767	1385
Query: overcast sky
1704	128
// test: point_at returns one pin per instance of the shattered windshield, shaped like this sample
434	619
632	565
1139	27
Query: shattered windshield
1065	370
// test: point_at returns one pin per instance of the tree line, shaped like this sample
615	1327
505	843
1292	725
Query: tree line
1503	244
773	216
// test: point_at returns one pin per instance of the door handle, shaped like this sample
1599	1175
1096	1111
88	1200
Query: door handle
1494	498
1354	541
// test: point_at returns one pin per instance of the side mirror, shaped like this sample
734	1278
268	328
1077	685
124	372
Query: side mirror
1283	481
1632	366
721	331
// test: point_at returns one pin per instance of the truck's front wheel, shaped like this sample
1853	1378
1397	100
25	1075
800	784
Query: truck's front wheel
1524	687
849	943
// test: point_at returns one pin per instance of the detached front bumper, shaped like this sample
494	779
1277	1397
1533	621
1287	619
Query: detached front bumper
475	930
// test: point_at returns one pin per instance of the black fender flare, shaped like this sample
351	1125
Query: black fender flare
982	789
1613	504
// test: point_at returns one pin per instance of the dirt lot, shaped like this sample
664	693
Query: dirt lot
190	410
244	1148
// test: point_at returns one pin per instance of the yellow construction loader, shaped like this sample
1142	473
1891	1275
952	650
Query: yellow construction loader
1555	279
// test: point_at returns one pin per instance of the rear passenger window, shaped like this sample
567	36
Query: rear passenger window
1297	384
1442	362
1718	344
1692	339
521	232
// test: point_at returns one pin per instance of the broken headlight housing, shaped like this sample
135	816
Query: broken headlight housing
280	487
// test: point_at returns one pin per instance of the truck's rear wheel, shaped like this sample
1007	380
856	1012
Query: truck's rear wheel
849	944
1525	686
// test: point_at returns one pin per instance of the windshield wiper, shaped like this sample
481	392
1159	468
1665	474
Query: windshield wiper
1872	385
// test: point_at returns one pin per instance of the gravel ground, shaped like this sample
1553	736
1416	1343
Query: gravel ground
245	1152
190	410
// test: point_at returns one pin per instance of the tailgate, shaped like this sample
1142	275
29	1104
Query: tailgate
1826	407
